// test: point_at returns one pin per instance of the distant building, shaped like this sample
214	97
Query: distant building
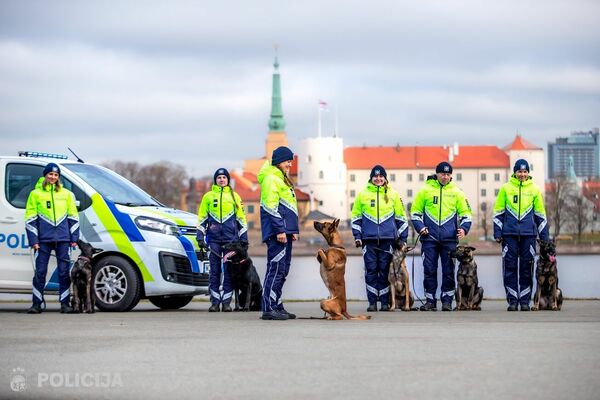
584	147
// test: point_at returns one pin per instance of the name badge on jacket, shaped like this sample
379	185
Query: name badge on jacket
372	203
435	199
48	204
515	198
215	203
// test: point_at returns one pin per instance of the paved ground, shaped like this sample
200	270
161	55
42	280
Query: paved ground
190	353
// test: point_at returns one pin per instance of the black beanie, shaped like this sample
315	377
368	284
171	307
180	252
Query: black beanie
378	170
281	154
51	167
443	167
521	164
221	171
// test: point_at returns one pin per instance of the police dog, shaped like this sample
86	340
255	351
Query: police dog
468	292
399	280
548	295
81	279
333	268
244	278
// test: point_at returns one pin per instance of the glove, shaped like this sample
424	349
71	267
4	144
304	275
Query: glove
202	244
358	243
499	240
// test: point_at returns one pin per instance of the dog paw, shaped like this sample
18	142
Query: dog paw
534	308
406	309
554	308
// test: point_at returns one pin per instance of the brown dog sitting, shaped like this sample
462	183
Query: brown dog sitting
399	280
333	268
468	292
548	295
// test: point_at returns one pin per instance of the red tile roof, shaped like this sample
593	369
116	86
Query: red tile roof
415	157
521	144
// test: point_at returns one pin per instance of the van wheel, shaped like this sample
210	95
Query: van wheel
170	302
117	286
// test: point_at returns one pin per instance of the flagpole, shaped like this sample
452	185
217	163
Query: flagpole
319	116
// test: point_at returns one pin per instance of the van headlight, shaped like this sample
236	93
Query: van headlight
157	225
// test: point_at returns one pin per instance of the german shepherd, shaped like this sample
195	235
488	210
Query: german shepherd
548	295
244	278
333	268
468	292
81	279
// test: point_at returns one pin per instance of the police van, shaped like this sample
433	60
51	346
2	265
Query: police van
149	250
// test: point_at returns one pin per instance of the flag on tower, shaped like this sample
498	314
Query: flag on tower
323	105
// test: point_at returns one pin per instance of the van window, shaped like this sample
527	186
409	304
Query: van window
22	178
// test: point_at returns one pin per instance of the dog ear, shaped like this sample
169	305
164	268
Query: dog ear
245	245
471	248
336	223
96	250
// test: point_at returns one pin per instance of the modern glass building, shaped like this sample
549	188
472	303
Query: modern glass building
585	149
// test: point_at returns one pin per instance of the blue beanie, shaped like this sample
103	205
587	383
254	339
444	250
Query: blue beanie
378	170
443	167
51	167
281	154
221	171
521	164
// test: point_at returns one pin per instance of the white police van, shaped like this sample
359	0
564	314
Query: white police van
149	250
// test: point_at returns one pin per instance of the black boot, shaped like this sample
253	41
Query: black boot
384	307
446	306
35	309
225	307
372	308
525	307
512	307
214	308
66	309
289	314
429	306
274	315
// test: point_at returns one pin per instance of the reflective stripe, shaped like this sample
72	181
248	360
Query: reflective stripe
215	294
273	295
279	256
532	250
74	227
64	295
227	295
289	206
498	223
385	290
32	229
512	292
450	293
271	211
429	296
525	292
373	290
417	217
504	251
37	294
357	227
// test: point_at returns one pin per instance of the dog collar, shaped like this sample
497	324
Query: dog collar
84	258
337	246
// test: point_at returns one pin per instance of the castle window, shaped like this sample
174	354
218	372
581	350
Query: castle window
320	174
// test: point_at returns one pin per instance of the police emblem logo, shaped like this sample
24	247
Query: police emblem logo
523	166
18	381
377	172
446	169
221	172
54	169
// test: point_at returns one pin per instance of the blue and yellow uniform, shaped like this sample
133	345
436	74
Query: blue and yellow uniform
442	209
378	220
278	214
52	222
519	217
221	220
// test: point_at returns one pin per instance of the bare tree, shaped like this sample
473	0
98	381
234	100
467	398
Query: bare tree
581	212
485	214
559	197
162	180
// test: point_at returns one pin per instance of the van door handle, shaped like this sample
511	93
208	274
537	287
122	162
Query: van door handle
9	220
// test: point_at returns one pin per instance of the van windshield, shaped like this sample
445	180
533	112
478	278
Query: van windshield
113	186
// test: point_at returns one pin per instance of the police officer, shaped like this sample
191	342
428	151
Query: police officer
378	219
442	216
519	216
52	223
221	220
279	225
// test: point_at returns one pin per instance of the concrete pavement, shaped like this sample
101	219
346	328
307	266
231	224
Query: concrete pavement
191	353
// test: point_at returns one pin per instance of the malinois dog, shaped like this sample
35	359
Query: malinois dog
333	268
468	292
547	294
399	280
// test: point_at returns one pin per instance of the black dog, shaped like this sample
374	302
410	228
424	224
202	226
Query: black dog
81	279
548	295
244	278
468	292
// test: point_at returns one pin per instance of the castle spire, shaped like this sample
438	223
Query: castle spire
276	122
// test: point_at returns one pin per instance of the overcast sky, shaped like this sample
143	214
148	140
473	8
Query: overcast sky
190	81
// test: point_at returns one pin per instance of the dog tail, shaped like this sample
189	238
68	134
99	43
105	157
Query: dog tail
359	317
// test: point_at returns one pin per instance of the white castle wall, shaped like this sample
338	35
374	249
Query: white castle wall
322	174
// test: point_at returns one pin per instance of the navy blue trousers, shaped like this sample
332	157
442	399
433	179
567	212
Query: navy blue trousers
377	256
279	258
518	256
42	256
431	251
218	276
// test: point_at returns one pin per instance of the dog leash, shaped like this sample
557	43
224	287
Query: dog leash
412	278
